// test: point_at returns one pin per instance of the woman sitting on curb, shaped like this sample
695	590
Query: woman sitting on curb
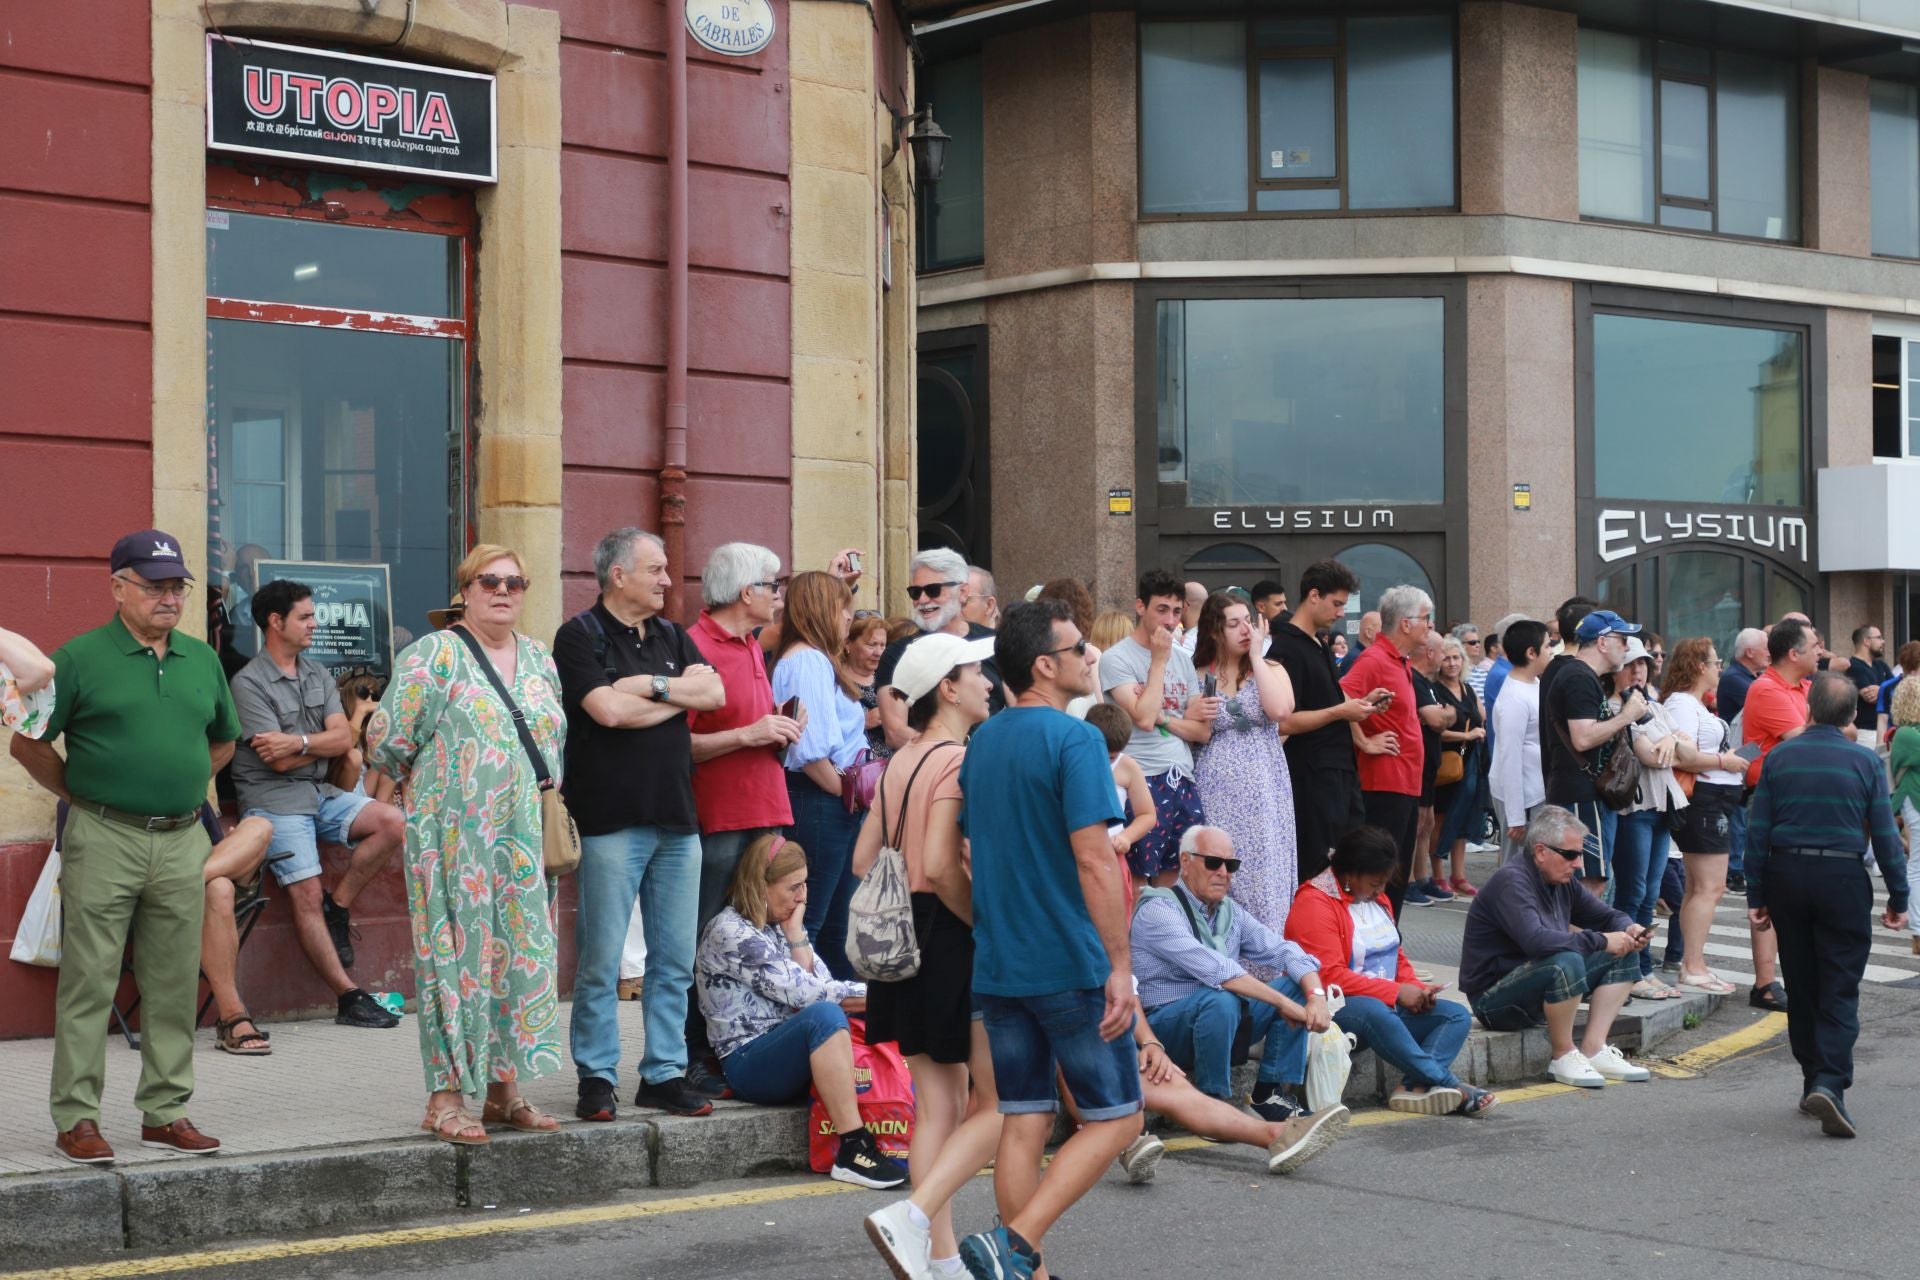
775	1015
1342	918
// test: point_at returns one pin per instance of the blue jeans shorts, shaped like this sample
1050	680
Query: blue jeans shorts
1028	1034
300	834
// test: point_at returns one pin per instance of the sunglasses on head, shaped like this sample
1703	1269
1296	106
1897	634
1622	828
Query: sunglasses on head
513	582
1571	855
931	591
1214	864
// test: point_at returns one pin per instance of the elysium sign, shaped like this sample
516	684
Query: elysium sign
342	109
1303	519
1620	534
737	28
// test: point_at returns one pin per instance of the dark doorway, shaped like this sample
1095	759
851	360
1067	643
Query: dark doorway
952	444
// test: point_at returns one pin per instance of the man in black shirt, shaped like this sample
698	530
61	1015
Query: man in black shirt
1868	670
1319	733
937	592
627	678
1576	735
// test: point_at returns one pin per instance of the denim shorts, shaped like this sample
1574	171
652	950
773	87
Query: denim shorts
300	834
1029	1034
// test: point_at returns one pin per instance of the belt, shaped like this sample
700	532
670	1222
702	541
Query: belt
1855	856
139	820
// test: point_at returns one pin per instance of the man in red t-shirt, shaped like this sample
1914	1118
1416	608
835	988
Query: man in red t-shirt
1392	756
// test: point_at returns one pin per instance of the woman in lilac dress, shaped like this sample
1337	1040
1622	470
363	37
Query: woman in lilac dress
1242	772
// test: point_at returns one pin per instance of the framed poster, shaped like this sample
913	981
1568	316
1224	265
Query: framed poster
353	611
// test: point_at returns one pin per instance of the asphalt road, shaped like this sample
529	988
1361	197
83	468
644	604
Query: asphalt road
1712	1175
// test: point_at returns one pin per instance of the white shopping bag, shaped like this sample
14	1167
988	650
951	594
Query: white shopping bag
37	940
1329	1059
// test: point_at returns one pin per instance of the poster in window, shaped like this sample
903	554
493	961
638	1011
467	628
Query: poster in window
353	612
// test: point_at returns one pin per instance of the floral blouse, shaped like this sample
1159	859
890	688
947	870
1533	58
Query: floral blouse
24	713
749	982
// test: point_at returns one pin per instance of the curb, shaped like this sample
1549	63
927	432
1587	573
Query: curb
191	1200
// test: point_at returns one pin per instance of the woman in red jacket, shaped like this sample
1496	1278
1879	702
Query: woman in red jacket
1342	918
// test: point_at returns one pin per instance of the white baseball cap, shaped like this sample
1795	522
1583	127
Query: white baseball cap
929	659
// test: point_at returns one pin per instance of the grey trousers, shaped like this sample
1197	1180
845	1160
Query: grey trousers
1509	847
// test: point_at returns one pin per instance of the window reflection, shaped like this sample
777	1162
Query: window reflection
953	229
321	264
1894	134
1702	598
1379	566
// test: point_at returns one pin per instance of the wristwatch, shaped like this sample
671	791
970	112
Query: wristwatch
659	688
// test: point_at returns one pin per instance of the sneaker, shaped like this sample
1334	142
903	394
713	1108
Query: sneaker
1438	891
630	988
358	1009
1736	882
1434	1102
1573	1068
905	1248
1481	846
1304	1137
673	1096
597	1099
1416	895
1140	1158
339	928
705	1076
1275	1105
990	1255
1823	1105
1613	1064
861	1163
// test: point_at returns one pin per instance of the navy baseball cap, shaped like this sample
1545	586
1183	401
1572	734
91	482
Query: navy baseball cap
1602	622
150	553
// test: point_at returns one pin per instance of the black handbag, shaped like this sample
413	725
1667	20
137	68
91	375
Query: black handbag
1615	783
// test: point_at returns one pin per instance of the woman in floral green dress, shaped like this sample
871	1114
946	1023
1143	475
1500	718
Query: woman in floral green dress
483	936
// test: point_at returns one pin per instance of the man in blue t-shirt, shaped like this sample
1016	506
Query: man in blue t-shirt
1051	967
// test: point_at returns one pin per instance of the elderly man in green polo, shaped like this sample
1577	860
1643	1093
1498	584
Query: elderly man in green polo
148	720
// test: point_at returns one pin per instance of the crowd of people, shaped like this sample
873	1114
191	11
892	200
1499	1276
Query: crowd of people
1140	847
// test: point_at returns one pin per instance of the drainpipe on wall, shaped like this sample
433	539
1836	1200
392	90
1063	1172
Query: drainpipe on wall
673	472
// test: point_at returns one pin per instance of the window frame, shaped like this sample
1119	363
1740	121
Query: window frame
1711	206
1907	334
1255	55
1891	257
926	210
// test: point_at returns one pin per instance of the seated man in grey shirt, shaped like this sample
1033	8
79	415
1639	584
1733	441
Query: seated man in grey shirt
1192	948
292	728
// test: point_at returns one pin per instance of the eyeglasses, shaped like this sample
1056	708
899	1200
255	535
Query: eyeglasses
931	591
513	582
778	586
1214	864
864	613
1571	855
179	587
1078	647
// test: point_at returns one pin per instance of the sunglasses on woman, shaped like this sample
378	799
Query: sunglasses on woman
513	582
931	591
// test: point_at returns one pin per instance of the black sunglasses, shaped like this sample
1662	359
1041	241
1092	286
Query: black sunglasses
931	591
1571	855
1078	647
1214	864
513	582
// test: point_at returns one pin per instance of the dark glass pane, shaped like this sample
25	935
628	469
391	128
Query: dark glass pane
1785	596
1193	117
333	445
323	264
1686	411
1895	162
945	431
1756	117
1889	431
1683	140
1703	598
1170	344
1615	591
1278	397
955	230
1296	33
1616	126
1400	113
1379	567
1687	59
1294	199
1297	119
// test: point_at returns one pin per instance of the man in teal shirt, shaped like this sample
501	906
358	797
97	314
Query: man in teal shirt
148	720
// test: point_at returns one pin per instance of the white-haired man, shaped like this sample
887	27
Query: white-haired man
937	594
1392	757
982	608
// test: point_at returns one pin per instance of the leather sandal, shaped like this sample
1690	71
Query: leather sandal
452	1122
517	1113
253	1044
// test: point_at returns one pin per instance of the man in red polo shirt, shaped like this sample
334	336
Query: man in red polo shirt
739	784
1392	756
1776	709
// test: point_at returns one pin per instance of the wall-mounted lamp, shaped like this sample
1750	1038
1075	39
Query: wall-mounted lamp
928	142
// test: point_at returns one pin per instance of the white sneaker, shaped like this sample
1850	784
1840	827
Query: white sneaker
1481	846
905	1248
1613	1064
1140	1158
1573	1068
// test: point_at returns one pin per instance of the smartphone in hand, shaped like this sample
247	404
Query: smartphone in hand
1209	686
791	707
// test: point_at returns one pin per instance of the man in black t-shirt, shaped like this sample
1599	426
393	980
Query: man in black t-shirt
1576	735
627	679
937	589
1868	670
1319	731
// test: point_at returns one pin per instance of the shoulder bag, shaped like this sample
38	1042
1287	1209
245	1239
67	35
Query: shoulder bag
1616	782
881	944
559	837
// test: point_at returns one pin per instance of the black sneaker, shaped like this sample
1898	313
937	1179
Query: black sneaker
358	1009
1825	1106
705	1076
673	1096
339	928
597	1100
1736	882
1275	1105
861	1163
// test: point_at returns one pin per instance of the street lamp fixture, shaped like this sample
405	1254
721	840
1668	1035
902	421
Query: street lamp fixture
928	142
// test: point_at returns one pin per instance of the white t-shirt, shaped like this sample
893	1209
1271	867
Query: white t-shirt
1376	942
1707	731
1128	662
1514	778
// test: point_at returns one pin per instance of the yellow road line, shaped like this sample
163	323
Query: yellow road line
1714	1052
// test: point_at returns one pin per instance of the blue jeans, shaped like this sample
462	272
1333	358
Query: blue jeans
1640	844
823	827
661	868
1737	844
1198	1032
776	1067
1422	1045
1517	1001
1027	1035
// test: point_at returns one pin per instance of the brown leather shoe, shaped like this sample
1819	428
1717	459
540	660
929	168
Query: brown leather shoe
178	1136
83	1144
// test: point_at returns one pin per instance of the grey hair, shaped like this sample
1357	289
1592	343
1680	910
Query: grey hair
732	568
617	549
1460	632
949	564
1400	602
1831	699
1749	639
992	588
1190	838
1552	825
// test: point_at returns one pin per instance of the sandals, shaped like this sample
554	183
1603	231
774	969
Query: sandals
1478	1103
452	1122
251	1045
1709	982
1464	887
535	1121
1654	989
1772	998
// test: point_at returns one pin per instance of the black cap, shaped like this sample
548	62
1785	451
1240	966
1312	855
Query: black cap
150	553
